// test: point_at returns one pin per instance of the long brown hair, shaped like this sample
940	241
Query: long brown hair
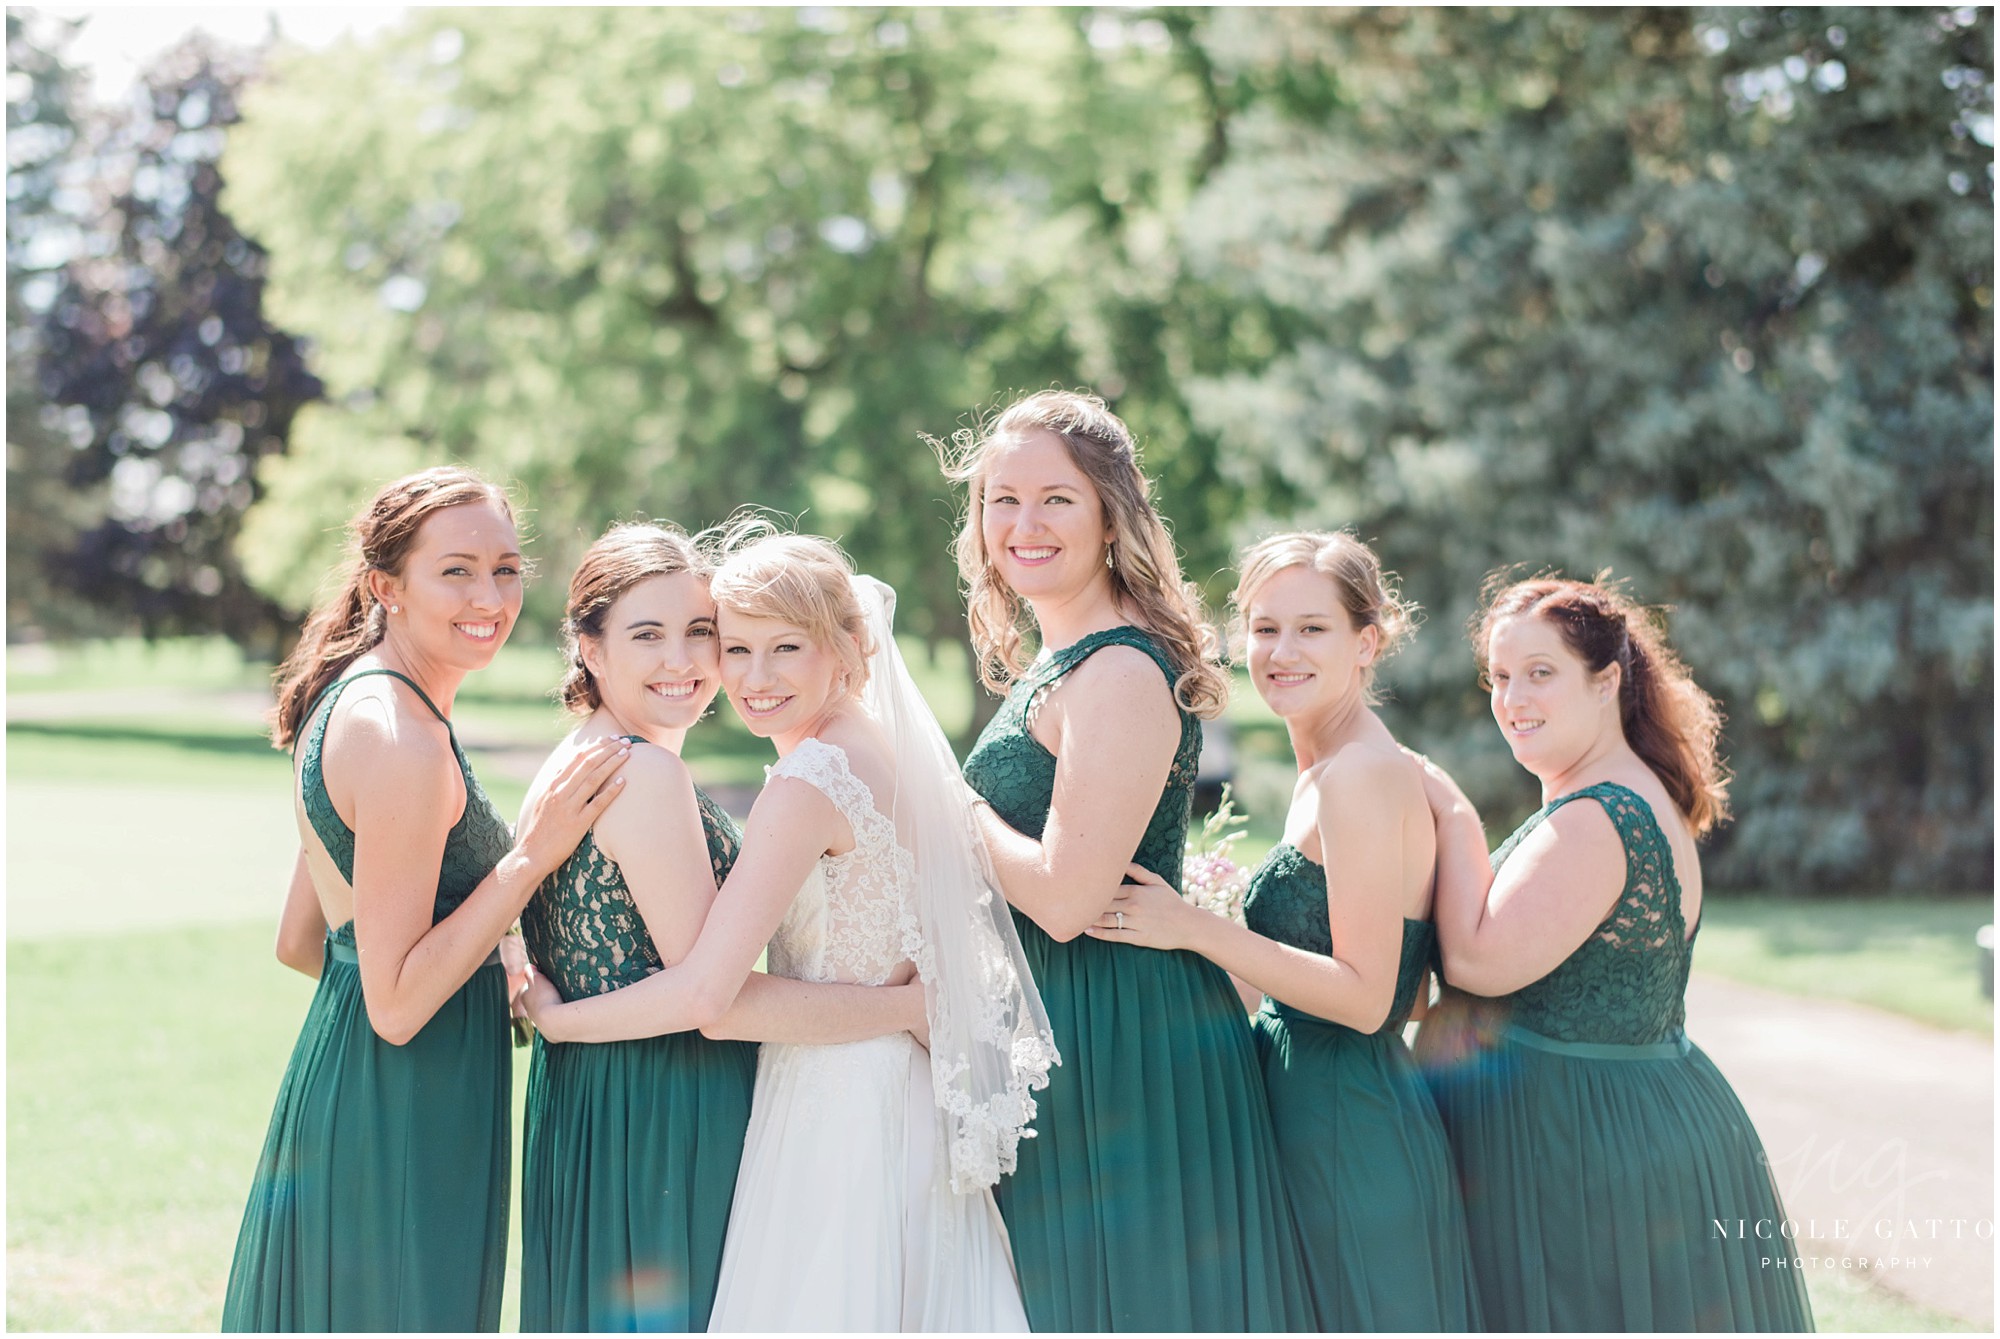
1670	722
622	557
348	625
1145	573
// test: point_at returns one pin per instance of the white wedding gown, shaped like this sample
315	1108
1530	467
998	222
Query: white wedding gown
844	1217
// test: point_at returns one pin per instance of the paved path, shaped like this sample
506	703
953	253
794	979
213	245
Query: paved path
1879	1130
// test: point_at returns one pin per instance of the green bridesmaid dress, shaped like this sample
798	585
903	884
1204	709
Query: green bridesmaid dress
630	1155
1365	1158
1151	1197
380	1199
1597	1146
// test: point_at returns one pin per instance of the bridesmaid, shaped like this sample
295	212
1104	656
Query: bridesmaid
631	1147
1597	1146
380	1198
1340	941
1152	1197
631	1152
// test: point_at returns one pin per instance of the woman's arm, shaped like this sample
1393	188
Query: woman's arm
302	924
1116	733
1498	932
790	827
805	1013
1364	799
409	967
655	834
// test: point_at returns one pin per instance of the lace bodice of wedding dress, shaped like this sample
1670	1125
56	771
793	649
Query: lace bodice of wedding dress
844	1218
855	912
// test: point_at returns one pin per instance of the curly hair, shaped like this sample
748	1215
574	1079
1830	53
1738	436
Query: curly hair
1145	572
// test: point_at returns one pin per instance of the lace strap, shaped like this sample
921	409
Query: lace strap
1648	912
824	766
1080	650
1051	672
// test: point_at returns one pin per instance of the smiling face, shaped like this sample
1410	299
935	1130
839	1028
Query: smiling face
780	681
1306	656
459	592
1041	521
655	662
1552	710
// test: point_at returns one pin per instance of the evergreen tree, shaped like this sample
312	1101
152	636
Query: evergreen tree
1703	297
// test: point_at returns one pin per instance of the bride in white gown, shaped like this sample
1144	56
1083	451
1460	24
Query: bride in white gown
864	1197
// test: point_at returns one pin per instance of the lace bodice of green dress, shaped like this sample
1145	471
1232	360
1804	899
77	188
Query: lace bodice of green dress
1286	901
1625	984
471	849
1017	776
582	926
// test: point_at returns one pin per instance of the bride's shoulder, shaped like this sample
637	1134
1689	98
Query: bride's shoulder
863	749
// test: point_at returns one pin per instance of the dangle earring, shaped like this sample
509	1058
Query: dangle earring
1109	549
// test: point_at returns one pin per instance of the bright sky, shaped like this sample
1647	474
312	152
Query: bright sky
117	41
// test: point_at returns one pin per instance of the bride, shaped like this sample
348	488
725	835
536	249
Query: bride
864	1199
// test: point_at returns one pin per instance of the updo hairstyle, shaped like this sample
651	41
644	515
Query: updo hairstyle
624	556
1365	591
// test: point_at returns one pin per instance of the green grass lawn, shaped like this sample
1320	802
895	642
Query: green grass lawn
1912	956
141	1069
148	1023
125	663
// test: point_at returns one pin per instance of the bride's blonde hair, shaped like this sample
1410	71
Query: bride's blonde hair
762	572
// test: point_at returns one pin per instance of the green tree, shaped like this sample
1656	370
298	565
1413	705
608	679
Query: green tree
1703	297
669	262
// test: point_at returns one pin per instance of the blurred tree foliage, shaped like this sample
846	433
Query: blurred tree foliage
147	383
1701	296
1704	297
668	262
44	515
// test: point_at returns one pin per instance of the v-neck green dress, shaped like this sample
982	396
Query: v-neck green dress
1151	1197
1370	1175
630	1155
380	1199
1597	1146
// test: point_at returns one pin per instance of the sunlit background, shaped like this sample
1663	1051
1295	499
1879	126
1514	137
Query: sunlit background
1701	296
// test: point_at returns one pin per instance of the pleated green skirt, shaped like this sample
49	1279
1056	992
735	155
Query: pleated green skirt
627	1172
1370	1175
1593	1179
380	1199
1151	1196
